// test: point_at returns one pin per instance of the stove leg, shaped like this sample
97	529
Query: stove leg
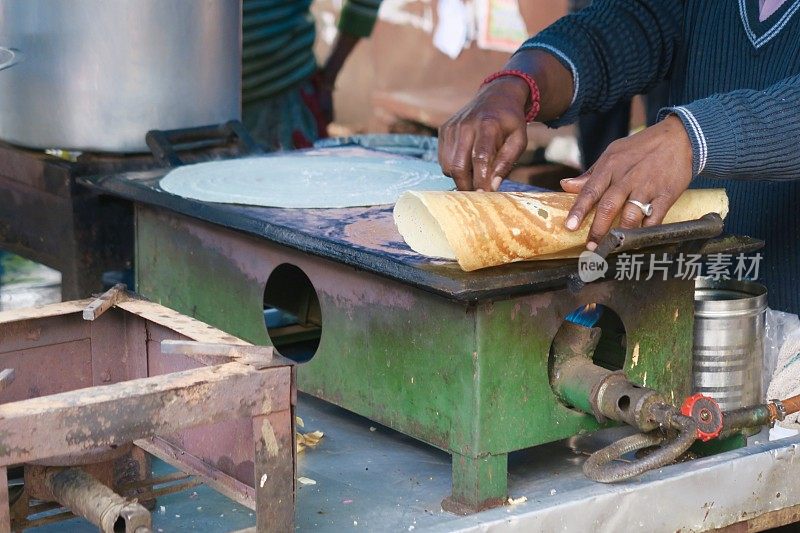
478	483
274	468
5	509
134	467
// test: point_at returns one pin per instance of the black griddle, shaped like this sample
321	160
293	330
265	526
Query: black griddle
366	237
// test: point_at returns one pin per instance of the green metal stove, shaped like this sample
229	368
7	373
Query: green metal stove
458	360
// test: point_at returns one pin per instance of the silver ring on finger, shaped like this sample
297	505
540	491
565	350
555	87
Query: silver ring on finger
647	209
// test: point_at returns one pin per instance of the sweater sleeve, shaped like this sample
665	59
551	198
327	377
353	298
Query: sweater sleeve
358	17
614	49
745	134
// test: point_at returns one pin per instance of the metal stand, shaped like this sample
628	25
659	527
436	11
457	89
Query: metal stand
138	396
77	231
46	217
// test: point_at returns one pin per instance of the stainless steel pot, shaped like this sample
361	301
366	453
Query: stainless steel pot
729	341
98	74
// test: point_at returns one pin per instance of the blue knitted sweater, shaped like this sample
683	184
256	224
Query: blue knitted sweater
734	83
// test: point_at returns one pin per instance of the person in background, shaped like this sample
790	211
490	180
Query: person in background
597	130
734	78
287	98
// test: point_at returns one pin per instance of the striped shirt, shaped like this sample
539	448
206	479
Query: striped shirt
278	42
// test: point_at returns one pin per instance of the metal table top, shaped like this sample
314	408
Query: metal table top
371	478
367	477
382	480
365	238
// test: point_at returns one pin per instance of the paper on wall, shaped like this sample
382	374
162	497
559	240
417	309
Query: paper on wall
500	25
452	28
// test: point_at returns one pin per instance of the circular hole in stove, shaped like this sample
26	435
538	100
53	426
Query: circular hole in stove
611	350
292	313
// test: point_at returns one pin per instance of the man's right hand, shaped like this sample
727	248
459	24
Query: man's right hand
479	145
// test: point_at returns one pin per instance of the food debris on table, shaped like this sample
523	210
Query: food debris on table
517	501
308	440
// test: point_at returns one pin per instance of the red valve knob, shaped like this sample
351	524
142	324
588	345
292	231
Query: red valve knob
706	413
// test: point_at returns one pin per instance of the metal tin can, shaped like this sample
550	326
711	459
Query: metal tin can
729	341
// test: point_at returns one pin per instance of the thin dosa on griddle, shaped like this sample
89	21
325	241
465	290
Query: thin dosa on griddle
486	229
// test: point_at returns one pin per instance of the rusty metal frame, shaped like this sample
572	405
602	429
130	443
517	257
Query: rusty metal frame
173	402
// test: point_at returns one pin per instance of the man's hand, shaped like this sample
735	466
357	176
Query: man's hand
480	143
653	166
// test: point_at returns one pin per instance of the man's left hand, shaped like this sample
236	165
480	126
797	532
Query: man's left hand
653	166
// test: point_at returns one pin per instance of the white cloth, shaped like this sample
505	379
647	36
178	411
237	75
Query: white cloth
786	379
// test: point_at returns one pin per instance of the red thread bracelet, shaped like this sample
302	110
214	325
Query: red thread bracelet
535	97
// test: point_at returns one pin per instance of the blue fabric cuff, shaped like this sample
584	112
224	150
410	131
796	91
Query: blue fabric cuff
713	136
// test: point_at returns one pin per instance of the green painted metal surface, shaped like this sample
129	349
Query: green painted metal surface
411	369
518	408
480	480
174	269
715	446
470	379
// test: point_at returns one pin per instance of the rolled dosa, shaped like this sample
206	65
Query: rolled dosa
480	229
